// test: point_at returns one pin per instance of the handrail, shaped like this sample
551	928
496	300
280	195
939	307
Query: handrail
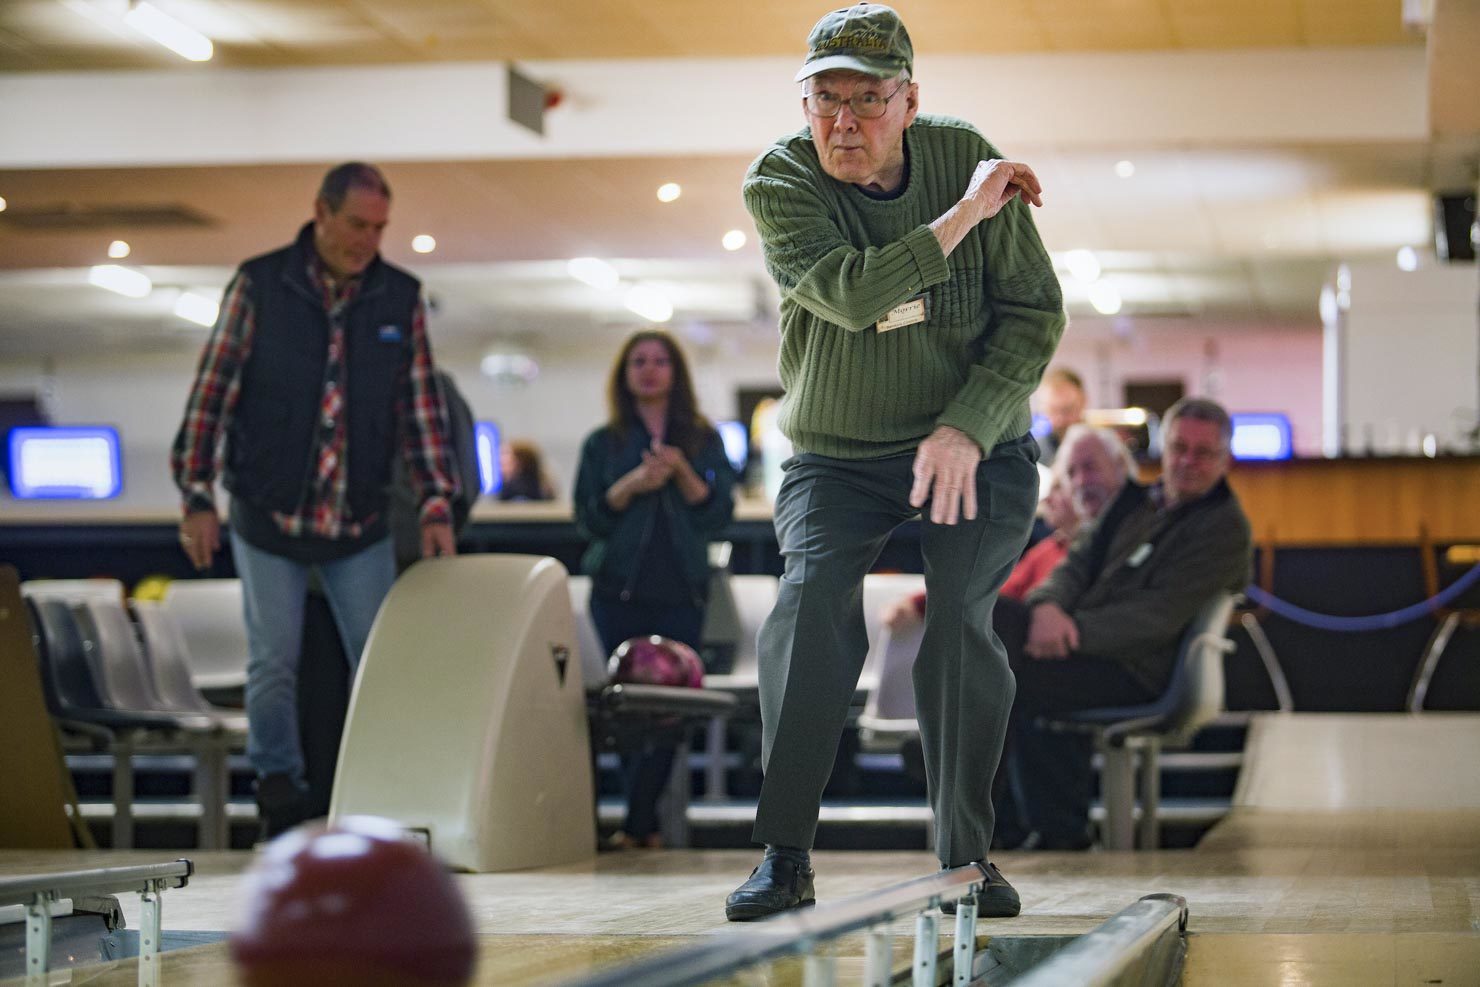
37	891
1103	954
792	932
23	890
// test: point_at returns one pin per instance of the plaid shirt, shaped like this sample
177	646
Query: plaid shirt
323	512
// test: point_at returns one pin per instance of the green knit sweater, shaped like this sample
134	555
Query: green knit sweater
843	260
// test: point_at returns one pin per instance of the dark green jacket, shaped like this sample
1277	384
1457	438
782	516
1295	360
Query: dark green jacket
613	558
1131	602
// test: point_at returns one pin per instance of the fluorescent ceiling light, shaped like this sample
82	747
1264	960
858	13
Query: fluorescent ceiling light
197	308
160	27
1082	264
423	243
119	249
124	280
650	303
734	240
1104	297
593	271
669	191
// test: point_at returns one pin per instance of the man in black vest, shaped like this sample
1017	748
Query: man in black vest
318	364
1104	627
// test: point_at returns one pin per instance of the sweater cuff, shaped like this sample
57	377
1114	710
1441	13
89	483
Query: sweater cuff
436	511
929	258
197	497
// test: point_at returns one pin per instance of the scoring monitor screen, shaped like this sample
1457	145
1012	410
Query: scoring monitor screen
65	463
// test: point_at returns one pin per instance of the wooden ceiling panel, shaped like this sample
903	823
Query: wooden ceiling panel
46	35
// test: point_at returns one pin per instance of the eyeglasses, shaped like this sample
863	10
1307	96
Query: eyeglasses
865	106
1198	454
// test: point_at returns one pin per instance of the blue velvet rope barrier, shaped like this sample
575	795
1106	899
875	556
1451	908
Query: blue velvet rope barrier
1374	622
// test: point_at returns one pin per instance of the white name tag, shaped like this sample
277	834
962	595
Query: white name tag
915	310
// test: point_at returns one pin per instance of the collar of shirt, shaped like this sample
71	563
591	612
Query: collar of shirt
335	291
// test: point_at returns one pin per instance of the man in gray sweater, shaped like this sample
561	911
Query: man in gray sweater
918	310
1103	629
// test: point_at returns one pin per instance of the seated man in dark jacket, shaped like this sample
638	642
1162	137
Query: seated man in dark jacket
1104	628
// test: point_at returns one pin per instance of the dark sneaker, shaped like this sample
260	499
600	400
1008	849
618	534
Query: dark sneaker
281	804
997	899
782	882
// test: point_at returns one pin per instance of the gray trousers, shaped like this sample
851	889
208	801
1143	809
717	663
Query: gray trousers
833	517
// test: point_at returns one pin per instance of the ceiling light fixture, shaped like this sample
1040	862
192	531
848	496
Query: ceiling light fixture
1407	259
123	280
423	243
197	308
593	271
734	240
1104	297
1082	264
119	249
669	191
2	203
1125	169
649	302
163	29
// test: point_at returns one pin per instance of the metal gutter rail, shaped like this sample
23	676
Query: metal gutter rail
1142	944
801	932
36	892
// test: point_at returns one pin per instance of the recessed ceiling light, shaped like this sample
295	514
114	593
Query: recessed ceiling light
2	203
1082	264
423	243
669	191
163	29
119	249
649	302
197	308
123	280
593	271
734	240
1407	259
1125	169
1104	297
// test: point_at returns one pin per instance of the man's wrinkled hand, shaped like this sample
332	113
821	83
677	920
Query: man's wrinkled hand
200	537
995	183
945	474
437	539
1052	633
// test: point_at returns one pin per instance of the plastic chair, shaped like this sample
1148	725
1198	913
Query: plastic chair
78	693
210	617
1193	698
169	661
888	715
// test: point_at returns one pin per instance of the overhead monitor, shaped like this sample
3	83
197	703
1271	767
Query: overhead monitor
65	463
1261	435
736	438
490	472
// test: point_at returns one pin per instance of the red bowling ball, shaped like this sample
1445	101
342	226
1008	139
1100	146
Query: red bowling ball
356	904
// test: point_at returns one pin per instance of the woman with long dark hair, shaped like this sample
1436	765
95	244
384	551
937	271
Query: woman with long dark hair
653	487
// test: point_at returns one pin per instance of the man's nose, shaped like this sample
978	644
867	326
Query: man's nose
846	117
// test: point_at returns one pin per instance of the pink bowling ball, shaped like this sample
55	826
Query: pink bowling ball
656	661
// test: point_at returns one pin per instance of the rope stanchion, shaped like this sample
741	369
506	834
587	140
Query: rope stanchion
1373	622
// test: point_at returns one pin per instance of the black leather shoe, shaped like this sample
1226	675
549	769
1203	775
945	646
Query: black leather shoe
783	881
997	899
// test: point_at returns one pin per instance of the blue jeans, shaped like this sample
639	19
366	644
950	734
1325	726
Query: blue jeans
273	594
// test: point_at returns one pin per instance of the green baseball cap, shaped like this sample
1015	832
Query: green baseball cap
866	37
